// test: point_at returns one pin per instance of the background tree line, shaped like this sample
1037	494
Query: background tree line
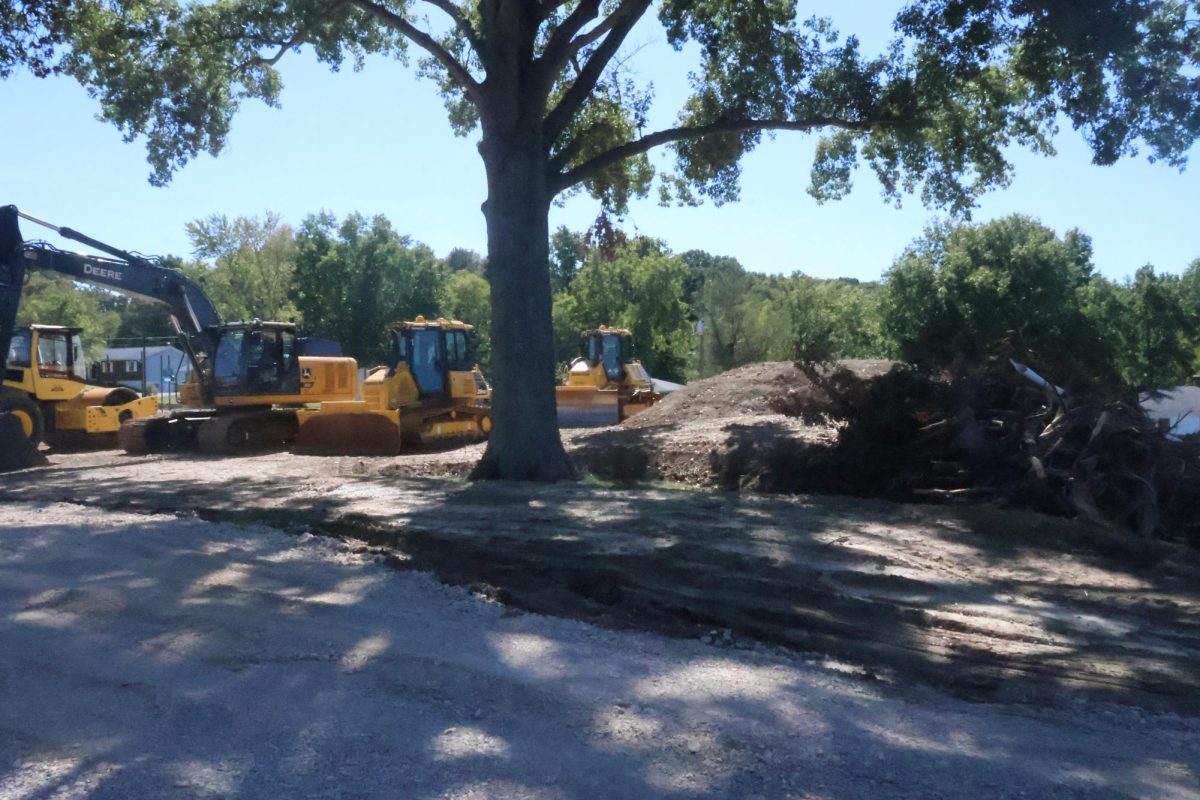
958	292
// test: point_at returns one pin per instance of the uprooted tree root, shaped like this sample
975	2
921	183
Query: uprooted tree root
978	433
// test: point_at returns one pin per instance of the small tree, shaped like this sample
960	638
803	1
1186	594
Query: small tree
567	251
467	296
640	288
55	300
461	259
541	81
836	318
1146	329
1161	354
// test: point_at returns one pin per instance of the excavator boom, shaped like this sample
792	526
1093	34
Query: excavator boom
249	376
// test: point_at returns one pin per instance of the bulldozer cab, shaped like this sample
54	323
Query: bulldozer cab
611	347
432	351
256	358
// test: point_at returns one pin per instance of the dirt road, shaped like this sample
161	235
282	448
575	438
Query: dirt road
159	655
992	605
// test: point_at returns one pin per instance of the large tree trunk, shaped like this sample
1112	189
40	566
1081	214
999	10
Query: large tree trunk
524	444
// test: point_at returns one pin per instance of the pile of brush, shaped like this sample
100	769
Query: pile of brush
997	431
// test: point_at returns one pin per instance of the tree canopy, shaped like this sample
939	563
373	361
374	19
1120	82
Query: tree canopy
963	79
959	292
354	278
246	265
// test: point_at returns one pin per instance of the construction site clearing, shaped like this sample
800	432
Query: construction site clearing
674	529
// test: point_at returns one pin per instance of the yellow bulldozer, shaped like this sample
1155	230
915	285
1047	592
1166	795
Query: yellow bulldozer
607	384
430	390
45	388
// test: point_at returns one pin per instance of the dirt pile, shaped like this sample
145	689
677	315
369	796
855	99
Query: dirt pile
675	440
749	391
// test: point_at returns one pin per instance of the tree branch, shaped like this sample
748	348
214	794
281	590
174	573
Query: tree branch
423	40
592	36
460	21
297	39
558	49
648	142
622	21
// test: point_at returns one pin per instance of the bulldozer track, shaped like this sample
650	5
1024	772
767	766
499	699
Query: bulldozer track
422	430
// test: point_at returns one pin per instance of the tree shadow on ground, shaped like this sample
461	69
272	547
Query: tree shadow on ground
821	576
157	657
899	591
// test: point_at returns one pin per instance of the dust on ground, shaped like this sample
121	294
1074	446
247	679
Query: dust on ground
161	655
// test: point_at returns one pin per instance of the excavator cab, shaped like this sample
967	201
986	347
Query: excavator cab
256	359
607	384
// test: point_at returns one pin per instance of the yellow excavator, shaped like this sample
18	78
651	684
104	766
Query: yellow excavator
430	390
607	384
248	379
246	396
45	387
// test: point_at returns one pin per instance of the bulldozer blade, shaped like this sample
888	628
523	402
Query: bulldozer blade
348	435
587	409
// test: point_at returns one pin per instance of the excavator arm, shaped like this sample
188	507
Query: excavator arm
12	276
128	273
254	377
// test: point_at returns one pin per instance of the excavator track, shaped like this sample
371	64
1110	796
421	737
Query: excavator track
141	437
246	432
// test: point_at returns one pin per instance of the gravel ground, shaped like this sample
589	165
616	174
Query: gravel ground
147	656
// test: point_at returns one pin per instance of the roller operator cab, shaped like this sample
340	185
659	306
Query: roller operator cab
44	384
430	390
607	384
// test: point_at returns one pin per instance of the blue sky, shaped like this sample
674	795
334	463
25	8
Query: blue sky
377	142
